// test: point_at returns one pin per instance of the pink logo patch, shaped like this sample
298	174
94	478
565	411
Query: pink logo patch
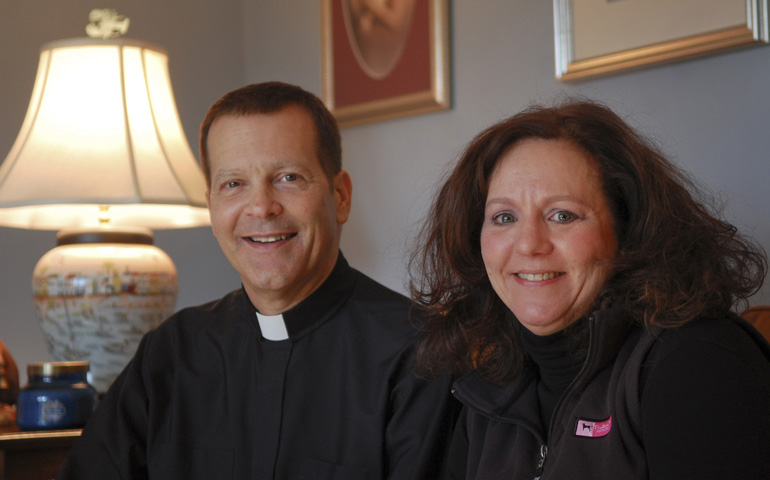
586	428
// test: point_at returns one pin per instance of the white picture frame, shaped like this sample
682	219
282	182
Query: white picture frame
600	37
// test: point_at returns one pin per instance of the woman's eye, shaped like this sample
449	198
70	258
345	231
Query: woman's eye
503	218
563	216
232	184
290	177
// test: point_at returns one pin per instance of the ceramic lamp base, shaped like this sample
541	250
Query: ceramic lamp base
97	293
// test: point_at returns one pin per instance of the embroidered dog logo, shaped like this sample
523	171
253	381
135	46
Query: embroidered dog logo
588	428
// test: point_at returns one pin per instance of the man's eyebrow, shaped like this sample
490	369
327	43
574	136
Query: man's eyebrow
228	172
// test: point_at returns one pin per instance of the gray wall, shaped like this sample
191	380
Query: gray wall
709	114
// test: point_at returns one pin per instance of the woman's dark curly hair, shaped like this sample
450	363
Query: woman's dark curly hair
676	261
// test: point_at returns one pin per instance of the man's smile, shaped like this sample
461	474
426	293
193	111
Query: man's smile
271	238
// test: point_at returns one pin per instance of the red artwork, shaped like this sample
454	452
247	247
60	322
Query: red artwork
384	58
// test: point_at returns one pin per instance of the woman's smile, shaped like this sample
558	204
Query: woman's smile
539	277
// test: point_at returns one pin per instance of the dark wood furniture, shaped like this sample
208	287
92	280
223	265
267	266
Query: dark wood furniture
33	455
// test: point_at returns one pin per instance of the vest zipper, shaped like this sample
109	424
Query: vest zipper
544	446
541	463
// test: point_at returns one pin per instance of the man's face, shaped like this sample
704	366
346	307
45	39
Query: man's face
273	211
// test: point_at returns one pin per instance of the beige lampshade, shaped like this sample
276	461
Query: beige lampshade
101	139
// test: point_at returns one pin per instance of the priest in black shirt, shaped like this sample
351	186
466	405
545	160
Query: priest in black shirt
305	372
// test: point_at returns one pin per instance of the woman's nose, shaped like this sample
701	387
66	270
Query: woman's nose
533	237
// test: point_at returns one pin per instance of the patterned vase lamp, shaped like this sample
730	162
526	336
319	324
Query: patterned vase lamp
103	146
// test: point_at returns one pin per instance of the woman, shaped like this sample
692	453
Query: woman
584	290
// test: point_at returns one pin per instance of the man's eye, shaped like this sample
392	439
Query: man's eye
290	177
503	218
232	184
563	216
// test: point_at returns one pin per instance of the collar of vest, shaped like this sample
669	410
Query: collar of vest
608	331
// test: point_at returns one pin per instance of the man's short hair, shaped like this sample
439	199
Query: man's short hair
270	97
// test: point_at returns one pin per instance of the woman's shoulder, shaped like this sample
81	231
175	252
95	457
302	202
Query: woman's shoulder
703	392
731	334
706	346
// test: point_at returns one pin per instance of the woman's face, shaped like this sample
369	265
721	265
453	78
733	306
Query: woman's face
547	239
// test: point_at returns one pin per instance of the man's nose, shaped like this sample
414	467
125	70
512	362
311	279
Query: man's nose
263	202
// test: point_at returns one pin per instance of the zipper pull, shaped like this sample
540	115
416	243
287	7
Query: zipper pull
541	463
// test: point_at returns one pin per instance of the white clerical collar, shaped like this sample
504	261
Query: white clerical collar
273	327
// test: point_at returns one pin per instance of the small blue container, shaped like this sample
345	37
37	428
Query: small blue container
57	397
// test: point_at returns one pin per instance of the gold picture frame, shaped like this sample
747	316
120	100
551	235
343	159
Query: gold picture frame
600	37
377	68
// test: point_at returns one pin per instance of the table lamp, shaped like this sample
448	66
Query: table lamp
102	157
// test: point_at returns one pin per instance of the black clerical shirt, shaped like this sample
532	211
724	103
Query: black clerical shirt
206	396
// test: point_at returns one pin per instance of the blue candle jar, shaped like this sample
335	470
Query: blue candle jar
58	396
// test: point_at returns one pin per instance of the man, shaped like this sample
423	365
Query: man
304	373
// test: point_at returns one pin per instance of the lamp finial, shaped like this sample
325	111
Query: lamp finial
106	23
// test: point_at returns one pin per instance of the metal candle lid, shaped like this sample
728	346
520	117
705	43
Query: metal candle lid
57	368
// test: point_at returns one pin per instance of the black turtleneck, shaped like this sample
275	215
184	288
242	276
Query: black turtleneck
555	365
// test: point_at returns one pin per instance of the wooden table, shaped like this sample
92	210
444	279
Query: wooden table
33	455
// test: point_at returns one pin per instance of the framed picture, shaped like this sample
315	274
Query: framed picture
597	37
383	59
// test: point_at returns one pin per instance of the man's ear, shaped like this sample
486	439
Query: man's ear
343	190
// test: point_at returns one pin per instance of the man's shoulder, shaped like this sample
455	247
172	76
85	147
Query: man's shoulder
378	299
225	309
369	289
377	306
